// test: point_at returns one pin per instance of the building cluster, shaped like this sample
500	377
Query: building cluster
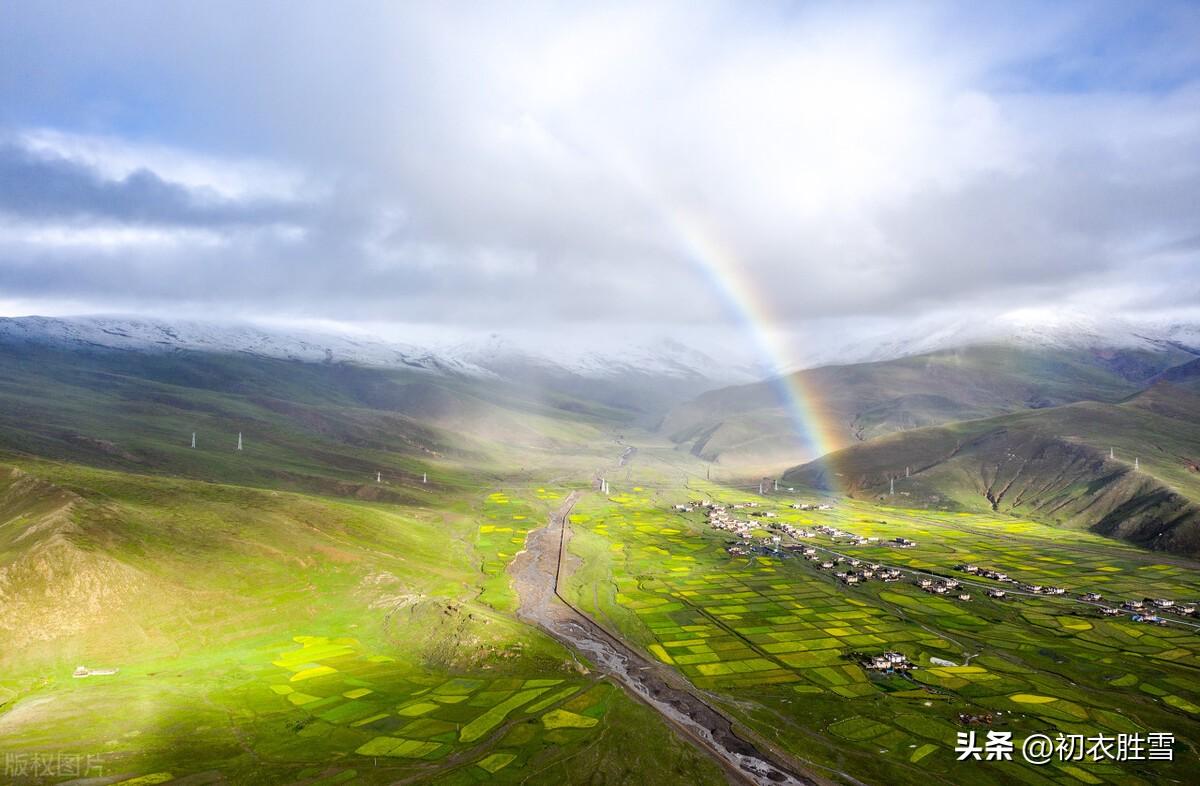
942	587
810	506
795	532
1040	589
859	572
987	573
720	518
1139	610
835	533
1139	607
889	662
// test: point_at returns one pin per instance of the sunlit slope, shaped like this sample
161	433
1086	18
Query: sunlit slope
855	403
1052	464
272	637
306	426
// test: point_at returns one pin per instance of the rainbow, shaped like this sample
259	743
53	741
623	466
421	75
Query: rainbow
732	283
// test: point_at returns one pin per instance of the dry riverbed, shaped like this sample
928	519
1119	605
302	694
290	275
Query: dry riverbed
536	574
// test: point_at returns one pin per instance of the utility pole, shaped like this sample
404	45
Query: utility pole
378	477
708	472
892	491
239	440
906	472
193	439
1136	463
777	484
1111	454
424	477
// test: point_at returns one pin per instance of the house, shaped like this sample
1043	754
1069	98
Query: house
968	568
826	565
1109	611
923	583
1187	609
996	593
1091	596
888	662
1149	619
904	543
1164	603
964	596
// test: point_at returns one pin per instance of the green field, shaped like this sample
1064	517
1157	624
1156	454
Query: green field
771	635
279	616
270	637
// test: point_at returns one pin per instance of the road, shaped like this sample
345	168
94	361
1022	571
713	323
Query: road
536	573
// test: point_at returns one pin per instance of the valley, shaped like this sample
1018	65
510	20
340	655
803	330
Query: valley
406	576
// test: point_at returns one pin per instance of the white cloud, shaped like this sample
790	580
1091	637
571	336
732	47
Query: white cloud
524	165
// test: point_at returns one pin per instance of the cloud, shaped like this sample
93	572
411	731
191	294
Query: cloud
502	166
47	188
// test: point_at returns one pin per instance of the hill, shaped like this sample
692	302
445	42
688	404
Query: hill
1053	465
325	427
750	424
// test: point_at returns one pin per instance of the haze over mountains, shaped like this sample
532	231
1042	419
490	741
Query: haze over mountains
1017	423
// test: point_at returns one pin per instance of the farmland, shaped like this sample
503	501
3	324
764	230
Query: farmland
771	636
266	636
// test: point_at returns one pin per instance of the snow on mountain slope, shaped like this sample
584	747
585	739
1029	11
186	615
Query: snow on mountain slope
490	356
1029	328
663	357
150	335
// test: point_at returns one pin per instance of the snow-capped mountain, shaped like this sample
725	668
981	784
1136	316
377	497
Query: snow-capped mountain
488	356
151	335
1032	329
664	357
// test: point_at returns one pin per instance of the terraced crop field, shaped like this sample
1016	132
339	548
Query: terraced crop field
773	636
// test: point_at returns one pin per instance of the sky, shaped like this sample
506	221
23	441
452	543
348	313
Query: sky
561	168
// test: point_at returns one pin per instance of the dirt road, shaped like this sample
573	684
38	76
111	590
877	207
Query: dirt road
536	573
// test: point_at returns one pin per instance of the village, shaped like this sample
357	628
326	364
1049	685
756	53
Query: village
850	571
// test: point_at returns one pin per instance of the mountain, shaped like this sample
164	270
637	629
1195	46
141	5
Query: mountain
1030	329
1128	469
643	377
751	425
323	427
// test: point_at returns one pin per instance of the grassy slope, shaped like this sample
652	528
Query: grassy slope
310	427
194	590
769	638
864	401
1051	464
197	572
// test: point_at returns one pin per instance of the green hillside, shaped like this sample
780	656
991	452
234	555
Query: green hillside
324	428
1052	464
262	636
860	402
